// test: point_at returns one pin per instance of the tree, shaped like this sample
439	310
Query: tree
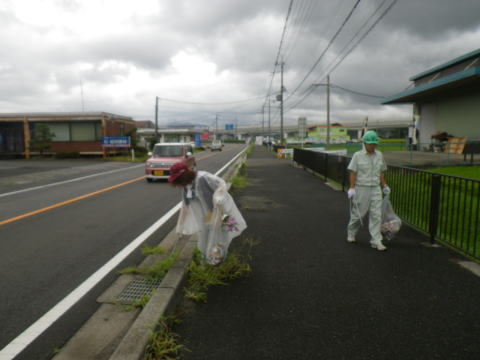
42	136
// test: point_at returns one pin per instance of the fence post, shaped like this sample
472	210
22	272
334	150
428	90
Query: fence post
326	166
345	172
434	206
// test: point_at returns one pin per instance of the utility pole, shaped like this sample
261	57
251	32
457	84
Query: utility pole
263	119
269	128
156	118
216	126
236	126
328	109
281	102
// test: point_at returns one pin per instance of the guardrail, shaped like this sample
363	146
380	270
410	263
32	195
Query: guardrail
443	206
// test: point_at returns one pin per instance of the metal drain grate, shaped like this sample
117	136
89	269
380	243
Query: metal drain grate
138	288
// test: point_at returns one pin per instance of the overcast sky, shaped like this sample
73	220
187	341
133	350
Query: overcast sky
204	58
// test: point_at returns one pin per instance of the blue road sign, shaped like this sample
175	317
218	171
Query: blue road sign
198	140
116	141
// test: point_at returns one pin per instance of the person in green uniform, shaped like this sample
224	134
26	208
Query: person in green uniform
367	181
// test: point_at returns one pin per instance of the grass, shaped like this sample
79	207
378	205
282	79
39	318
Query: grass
471	172
156	271
138	303
202	276
164	343
459	207
249	150
152	250
240	180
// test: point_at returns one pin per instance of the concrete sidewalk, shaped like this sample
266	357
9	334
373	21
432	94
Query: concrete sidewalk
312	295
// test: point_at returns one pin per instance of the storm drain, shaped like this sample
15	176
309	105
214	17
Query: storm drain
138	288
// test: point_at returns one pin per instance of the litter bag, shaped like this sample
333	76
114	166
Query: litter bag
391	223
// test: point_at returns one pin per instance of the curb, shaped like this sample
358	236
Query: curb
115	334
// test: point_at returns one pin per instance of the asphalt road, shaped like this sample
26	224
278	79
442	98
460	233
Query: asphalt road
45	256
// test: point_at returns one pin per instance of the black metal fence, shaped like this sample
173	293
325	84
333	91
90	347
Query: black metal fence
445	207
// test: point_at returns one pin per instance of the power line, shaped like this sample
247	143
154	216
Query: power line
358	92
279	50
327	47
213	103
366	33
309	90
305	12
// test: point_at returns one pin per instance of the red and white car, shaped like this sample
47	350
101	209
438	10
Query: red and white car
164	155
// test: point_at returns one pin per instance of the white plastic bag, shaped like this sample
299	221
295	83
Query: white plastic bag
218	240
391	223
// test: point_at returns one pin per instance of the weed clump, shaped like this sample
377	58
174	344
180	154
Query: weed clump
156	271
201	276
163	344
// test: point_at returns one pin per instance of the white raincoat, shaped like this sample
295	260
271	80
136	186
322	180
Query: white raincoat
207	205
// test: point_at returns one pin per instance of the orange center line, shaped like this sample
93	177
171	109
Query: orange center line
57	205
54	206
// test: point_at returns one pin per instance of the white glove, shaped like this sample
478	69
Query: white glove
218	200
351	193
386	190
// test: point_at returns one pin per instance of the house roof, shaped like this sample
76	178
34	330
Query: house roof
145	123
454	81
63	116
446	65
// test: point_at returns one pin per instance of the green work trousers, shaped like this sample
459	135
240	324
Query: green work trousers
366	199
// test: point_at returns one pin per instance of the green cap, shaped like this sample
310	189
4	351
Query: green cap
370	137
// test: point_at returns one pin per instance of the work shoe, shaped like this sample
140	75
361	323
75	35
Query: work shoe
351	239
378	246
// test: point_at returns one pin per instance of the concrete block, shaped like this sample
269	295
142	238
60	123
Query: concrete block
100	335
133	344
470	266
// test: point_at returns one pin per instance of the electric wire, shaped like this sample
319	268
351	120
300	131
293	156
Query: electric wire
347	18
309	90
305	14
279	51
366	33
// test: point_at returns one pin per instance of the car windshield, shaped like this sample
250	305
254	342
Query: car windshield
168	151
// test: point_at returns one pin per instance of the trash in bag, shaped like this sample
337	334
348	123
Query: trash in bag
391	223
221	230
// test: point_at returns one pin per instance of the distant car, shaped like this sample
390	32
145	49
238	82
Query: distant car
164	155
216	145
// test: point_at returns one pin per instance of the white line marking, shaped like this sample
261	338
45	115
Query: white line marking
68	181
18	344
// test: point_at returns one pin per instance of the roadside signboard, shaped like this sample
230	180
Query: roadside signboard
116	141
198	140
229	127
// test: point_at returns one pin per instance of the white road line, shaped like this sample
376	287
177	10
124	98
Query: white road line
36	329
18	344
69	181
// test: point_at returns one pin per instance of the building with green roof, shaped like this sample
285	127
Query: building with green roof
446	98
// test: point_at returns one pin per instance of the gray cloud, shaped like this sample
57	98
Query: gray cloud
40	71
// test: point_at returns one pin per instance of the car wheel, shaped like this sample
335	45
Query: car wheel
149	180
